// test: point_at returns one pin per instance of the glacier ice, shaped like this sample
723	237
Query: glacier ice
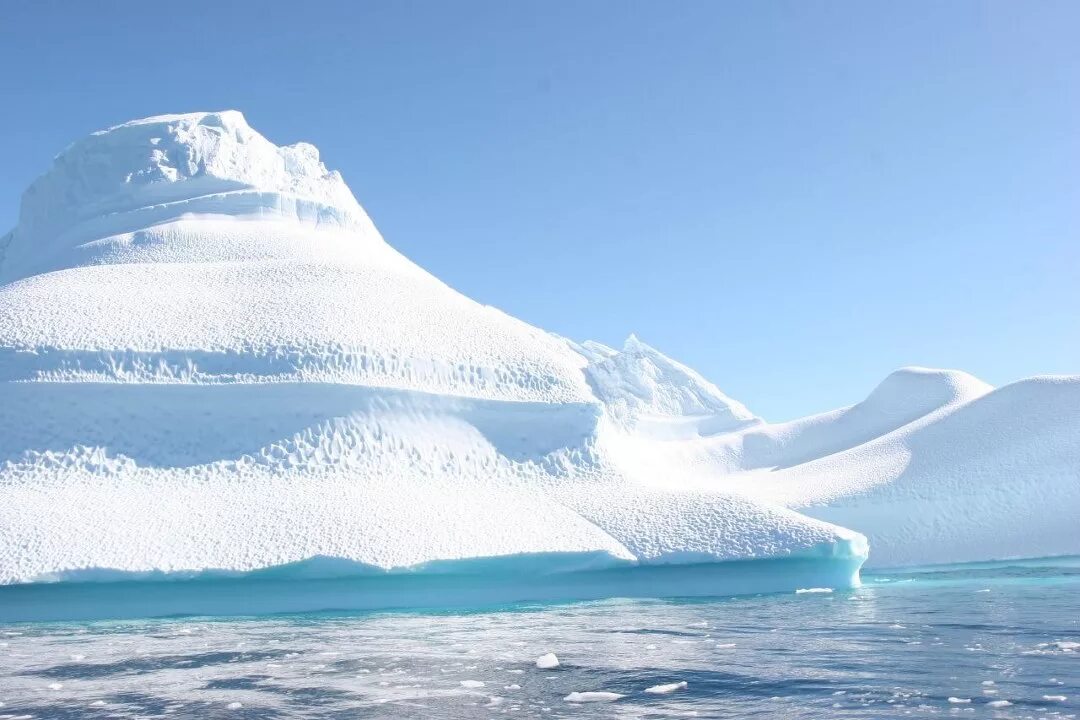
213	368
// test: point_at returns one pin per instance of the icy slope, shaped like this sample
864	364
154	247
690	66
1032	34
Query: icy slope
934	466
997	477
236	281
211	362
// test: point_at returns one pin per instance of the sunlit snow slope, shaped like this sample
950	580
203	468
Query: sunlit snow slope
934	466
210	361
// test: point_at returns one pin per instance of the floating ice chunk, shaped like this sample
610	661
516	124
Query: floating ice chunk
666	689
592	696
959	701
472	684
547	661
1055	698
55	686
999	703
235	705
987	682
813	590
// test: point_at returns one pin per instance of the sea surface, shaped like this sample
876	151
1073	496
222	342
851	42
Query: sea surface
934	642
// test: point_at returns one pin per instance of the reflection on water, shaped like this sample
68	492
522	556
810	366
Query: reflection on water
996	641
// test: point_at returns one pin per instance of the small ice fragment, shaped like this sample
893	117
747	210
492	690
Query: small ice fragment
800	591
999	703
547	662
987	682
959	701
235	705
471	684
55	686
592	696
1055	698
514	686
666	689
77	658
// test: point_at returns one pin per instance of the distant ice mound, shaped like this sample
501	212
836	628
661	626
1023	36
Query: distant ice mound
995	477
912	392
934	466
211	363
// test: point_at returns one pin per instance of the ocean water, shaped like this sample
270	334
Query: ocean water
932	642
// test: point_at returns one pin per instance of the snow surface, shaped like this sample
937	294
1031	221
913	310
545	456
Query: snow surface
211	361
199	372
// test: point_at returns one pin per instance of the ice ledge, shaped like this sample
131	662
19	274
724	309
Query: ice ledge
472	583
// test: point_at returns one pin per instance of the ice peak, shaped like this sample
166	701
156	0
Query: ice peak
640	380
153	170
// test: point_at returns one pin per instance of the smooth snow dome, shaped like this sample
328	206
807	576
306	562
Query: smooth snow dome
210	360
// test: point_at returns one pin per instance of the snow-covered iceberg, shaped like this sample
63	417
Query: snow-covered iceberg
214	369
211	364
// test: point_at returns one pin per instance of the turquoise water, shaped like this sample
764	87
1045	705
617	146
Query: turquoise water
900	646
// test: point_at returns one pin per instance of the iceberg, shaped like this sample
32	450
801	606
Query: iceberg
221	391
220	384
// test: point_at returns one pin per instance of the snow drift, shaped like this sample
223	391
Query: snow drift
213	367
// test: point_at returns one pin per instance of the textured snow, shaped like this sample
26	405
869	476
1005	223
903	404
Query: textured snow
145	172
934	466
211	361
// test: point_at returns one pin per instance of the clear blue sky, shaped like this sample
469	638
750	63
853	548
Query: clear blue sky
795	198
